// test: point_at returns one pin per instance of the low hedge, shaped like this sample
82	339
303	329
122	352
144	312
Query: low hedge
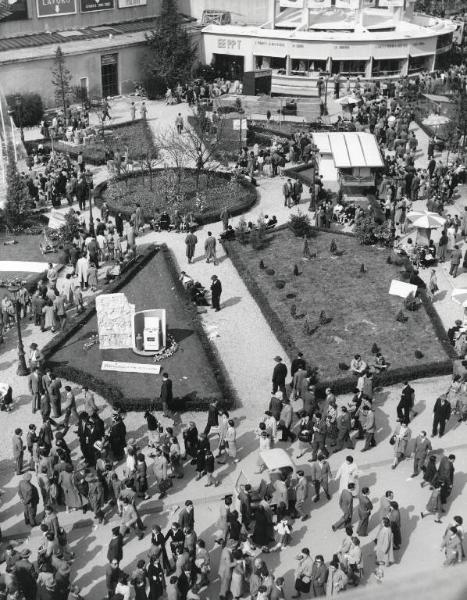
112	394
346	384
212	215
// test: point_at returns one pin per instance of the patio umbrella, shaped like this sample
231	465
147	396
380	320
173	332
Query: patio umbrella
459	295
346	100
435	120
424	219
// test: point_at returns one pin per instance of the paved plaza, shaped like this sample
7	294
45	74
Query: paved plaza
247	347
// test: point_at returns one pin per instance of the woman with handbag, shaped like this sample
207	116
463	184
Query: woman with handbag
400	440
305	433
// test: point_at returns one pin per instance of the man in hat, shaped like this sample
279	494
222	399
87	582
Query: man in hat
115	549
70	406
186	518
29	496
216	291
35	388
279	375
160	466
75	593
213	417
26	575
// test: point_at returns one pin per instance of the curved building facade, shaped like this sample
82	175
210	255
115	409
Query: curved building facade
355	38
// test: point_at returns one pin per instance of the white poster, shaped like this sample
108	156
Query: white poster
131	3
352	4
127	367
391	3
319	3
291	3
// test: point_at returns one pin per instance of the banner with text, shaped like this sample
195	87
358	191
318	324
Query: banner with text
95	5
292	3
131	3
55	8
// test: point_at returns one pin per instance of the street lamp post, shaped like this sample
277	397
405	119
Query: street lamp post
22	368
19	114
88	176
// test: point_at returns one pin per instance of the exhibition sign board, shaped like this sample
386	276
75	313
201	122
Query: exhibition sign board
292	3
131	3
95	5
352	4
319	3
55	8
114	321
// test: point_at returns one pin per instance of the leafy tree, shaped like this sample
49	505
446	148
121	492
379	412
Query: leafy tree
32	109
70	228
61	80
171	53
18	200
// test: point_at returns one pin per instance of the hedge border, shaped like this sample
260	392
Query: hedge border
212	216
113	394
345	384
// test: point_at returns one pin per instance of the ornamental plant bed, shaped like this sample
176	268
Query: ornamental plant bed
197	376
358	311
172	190
136	136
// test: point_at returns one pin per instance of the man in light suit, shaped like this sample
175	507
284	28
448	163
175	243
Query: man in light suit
18	450
301	493
346	505
421	450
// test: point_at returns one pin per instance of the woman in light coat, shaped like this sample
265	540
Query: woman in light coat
401	438
384	544
82	271
231	440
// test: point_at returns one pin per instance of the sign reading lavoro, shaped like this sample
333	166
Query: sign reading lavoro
55	8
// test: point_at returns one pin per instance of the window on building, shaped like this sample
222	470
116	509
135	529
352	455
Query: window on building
386	67
308	65
350	68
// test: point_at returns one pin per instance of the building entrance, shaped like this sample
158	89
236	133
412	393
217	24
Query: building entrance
109	72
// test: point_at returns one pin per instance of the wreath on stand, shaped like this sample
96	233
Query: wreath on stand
168	351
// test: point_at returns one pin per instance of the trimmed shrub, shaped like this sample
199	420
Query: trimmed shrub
300	224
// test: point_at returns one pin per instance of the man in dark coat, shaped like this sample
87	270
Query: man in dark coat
213	417
346	505
186	518
35	388
190	241
244	500
216	291
421	450
166	396
115	549
406	403
29	496
112	573
446	471
441	414
26	575
298	362
275	405
278	376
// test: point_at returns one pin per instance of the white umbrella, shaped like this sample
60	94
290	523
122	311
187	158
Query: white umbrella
435	120
459	295
345	100
424	219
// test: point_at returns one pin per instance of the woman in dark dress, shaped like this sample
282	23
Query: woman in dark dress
260	532
156	578
158	551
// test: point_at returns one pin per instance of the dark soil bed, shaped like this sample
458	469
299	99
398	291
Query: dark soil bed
195	378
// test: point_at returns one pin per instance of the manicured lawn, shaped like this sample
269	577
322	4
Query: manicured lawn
168	193
192	374
359	305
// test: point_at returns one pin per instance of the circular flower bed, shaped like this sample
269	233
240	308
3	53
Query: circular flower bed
171	189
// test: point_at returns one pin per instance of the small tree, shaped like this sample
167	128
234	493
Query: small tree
61	79
171	54
70	229
18	200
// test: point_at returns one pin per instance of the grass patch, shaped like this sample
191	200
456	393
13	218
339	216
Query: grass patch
197	377
357	305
